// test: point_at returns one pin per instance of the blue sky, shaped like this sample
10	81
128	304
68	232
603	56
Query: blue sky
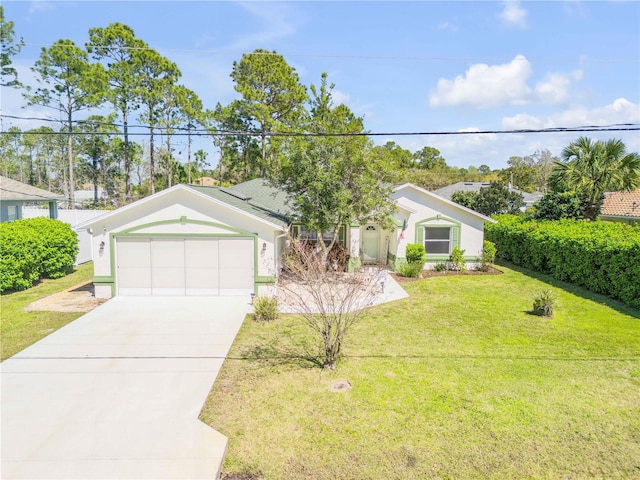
405	66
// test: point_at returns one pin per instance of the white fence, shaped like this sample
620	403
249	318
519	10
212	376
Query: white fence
73	218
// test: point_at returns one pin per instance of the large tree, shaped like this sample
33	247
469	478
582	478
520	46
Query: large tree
68	84
333	181
592	168
158	76
10	47
272	98
118	46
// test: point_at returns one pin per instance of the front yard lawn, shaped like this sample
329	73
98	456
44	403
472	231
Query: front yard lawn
19	328
457	381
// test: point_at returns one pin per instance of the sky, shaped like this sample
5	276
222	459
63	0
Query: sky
404	66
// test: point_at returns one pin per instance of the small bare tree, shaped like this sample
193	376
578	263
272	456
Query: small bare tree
329	301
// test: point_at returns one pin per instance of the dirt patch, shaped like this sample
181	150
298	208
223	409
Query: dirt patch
448	273
79	298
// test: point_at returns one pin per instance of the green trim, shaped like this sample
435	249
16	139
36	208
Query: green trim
354	264
268	279
355	225
183	220
398	223
455	226
233	233
103	280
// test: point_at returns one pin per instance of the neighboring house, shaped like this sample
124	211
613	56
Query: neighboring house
196	240
621	207
14	194
448	191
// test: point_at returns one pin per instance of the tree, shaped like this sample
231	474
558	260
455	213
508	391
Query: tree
498	199
334	181
272	98
69	84
429	158
466	198
118	46
328	302
10	48
592	168
394	155
558	205
158	75
520	174
94	148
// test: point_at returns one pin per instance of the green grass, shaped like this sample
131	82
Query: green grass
20	329
457	381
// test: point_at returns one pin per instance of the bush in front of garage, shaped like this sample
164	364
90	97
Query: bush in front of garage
35	248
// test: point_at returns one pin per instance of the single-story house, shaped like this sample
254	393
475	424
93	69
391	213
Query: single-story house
447	192
621	207
14	194
196	240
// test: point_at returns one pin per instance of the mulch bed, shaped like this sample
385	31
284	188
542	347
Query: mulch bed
448	273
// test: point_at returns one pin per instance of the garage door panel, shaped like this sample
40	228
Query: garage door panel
236	252
191	266
201	253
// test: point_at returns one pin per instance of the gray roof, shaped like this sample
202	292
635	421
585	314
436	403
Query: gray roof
12	190
257	197
448	191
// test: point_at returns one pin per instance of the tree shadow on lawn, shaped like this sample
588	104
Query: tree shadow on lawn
275	352
575	290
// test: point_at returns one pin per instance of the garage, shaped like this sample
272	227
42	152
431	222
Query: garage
184	266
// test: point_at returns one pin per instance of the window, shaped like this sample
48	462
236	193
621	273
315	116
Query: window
437	240
303	233
12	212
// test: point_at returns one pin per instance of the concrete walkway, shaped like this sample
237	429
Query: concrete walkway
116	394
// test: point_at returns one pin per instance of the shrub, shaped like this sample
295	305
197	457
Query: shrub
544	303
440	267
416	253
265	309
35	248
410	269
600	256
457	260
487	256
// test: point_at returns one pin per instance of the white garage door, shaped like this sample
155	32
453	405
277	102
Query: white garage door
184	266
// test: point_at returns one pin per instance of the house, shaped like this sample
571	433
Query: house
14	194
448	191
621	207
197	240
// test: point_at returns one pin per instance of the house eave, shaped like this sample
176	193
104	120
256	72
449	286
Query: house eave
444	200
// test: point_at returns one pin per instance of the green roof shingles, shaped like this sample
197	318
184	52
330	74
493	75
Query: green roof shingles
256	197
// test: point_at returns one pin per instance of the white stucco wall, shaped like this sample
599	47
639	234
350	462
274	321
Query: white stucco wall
426	206
172	206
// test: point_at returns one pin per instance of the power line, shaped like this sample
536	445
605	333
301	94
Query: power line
580	59
183	131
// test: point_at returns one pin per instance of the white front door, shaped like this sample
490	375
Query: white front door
370	243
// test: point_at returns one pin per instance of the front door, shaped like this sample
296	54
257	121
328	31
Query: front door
370	243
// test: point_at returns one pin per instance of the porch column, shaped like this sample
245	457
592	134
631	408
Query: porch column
53	209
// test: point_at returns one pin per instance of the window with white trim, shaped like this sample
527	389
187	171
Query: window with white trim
437	240
12	212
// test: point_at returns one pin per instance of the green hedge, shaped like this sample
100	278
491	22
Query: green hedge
600	256
35	248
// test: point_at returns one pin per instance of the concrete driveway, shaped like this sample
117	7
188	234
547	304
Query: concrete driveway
116	394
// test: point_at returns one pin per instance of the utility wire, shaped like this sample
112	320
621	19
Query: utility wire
580	59
184	131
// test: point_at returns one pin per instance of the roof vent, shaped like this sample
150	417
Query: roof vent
235	193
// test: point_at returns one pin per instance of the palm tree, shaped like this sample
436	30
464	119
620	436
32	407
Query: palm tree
593	167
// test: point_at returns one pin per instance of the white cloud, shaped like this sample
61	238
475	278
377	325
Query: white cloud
275	18
554	89
620	111
513	15
39	6
486	86
340	97
448	26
